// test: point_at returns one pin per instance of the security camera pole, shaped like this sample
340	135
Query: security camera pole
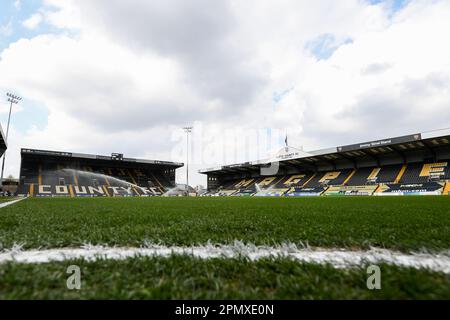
188	130
13	99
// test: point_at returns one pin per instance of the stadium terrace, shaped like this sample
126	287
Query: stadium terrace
416	164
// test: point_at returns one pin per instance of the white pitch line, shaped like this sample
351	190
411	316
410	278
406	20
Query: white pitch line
8	203
337	258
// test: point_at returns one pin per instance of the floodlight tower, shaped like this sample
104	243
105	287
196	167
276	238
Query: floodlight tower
12	99
188	130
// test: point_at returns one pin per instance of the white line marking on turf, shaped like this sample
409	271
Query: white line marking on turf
335	257
8	203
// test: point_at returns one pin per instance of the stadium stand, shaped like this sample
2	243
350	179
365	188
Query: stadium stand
432	171
425	172
3	144
446	189
280	185
296	180
388	174
54	173
361	176
329	178
411	174
406	165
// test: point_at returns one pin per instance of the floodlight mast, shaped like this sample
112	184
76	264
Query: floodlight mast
188	130
12	99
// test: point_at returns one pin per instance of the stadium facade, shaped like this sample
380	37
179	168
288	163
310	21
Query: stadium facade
417	164
46	173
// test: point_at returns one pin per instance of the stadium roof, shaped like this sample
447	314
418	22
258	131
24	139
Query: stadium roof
3	144
426	142
112	157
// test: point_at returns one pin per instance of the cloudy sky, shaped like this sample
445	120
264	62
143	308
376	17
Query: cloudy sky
102	76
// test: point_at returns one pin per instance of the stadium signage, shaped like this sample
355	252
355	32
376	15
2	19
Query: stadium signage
375	144
103	158
95	190
287	153
380	143
46	152
288	156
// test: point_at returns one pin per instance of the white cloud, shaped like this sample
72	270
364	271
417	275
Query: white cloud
33	22
17	4
122	77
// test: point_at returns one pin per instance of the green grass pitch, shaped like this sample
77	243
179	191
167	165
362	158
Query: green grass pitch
400	223
181	277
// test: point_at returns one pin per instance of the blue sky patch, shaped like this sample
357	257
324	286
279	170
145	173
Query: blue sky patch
278	96
31	115
394	5
325	45
12	15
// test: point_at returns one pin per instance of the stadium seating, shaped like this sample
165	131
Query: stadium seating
53	179
407	179
329	178
411	174
360	177
63	179
263	186
388	174
446	191
425	172
296	180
